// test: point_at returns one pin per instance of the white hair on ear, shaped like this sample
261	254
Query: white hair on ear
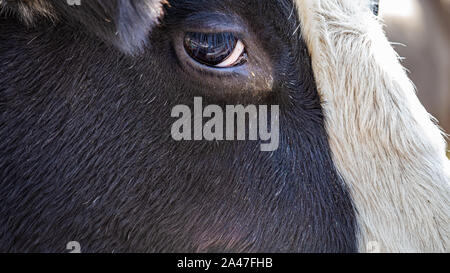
385	146
29	9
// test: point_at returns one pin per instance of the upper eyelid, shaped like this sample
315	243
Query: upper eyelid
213	22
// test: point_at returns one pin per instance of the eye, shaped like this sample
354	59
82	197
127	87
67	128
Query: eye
215	49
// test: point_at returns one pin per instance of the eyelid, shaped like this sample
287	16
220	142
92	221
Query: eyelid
207	22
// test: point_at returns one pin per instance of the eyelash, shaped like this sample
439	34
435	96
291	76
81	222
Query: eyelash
215	49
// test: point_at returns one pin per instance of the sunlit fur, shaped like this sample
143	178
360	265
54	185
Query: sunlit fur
384	143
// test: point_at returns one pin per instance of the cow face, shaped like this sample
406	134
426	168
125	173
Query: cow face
86	148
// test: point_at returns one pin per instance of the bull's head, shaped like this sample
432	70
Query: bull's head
86	93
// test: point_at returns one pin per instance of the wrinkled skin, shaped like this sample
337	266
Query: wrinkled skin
86	153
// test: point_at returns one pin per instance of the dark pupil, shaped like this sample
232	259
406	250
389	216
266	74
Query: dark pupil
209	48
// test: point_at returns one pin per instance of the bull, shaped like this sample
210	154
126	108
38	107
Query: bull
86	152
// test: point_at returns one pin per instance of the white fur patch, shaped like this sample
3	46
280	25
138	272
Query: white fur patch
384	144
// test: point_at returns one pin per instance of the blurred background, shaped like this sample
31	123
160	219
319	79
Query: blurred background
422	29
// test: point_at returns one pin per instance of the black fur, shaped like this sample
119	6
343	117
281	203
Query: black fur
86	153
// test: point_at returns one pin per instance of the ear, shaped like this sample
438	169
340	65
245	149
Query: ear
122	23
27	10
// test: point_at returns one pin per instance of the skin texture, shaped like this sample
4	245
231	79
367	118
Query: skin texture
86	153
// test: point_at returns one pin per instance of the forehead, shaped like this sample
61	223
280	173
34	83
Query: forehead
269	8
253	15
242	7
